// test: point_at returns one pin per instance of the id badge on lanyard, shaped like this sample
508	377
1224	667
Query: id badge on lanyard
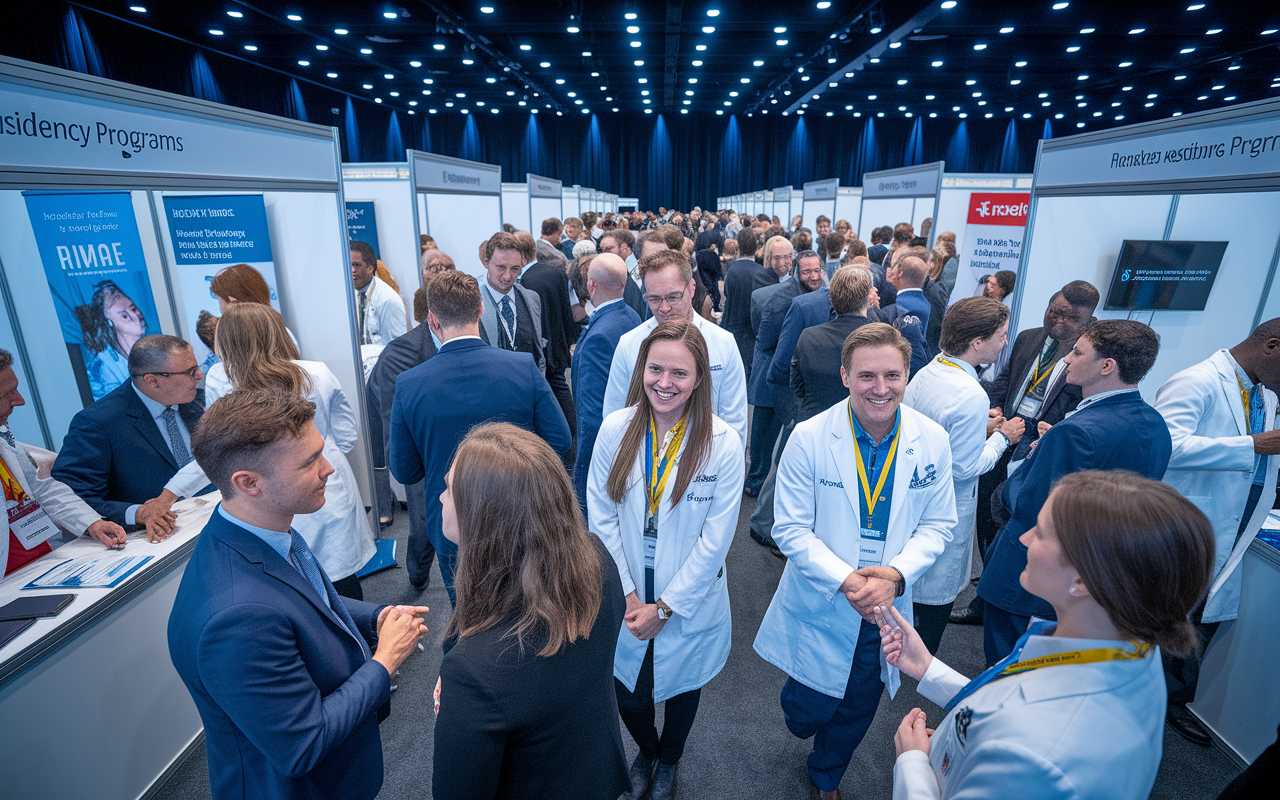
870	548
1029	407
29	522
650	541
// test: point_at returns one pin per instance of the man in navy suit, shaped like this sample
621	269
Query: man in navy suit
121	451
1112	428
464	384
606	281
815	367
278	664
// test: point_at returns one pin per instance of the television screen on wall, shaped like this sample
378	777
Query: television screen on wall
1164	276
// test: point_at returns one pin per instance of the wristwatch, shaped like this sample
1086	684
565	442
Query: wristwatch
664	611
900	585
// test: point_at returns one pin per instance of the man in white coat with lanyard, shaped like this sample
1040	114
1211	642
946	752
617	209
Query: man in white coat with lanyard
1221	415
946	390
885	468
380	315
668	288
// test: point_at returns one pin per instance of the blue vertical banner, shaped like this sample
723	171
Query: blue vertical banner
93	260
209	233
362	224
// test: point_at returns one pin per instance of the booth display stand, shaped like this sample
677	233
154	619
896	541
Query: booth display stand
628	204
987	213
906	194
571	201
515	205
819	201
782	206
545	201
384	190
459	204
848	204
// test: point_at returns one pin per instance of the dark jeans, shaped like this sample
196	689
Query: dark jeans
564	397
987	525
765	426
837	724
349	587
931	621
637	710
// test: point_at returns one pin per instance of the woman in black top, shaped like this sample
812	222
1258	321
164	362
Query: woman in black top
527	704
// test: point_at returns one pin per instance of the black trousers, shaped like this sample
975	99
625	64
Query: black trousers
560	388
1182	675
931	621
421	553
987	525
637	710
349	587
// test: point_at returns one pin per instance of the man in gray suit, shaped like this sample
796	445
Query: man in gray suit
512	315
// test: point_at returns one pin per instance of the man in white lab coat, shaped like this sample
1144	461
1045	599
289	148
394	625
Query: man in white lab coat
886	468
1221	415
380	315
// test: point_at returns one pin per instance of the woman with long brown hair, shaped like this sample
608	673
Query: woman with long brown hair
663	495
238	283
1078	708
526	706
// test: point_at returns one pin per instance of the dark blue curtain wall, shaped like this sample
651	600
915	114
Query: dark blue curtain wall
669	159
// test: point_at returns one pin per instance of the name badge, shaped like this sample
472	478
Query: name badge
1029	407
870	548
650	541
29	523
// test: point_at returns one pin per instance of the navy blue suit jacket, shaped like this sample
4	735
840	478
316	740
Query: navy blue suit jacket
771	316
1117	432
633	296
113	455
466	383
290	704
805	311
591	361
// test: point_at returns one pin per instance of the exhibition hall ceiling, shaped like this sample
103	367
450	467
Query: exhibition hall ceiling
1085	64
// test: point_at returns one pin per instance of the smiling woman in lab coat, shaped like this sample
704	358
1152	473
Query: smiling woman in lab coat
1077	710
663	496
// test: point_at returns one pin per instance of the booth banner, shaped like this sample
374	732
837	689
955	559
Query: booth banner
992	239
362	224
93	260
208	233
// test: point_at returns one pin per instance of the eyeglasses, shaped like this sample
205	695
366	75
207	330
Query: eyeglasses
670	300
190	373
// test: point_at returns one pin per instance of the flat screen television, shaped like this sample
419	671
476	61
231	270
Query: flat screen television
1166	276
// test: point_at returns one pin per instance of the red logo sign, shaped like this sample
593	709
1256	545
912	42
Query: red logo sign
1008	208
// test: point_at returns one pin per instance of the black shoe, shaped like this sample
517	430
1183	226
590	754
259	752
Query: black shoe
749	492
1185	723
776	553
641	777
664	782
966	616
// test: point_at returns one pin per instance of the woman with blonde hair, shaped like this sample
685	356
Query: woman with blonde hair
525	700
663	495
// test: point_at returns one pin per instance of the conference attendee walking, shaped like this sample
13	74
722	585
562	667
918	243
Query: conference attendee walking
663	495
815	367
606	281
512	316
1112	428
886	468
742	278
1077	708
464	384
668	282
290	679
947	391
259	356
548	278
527	707
1221	415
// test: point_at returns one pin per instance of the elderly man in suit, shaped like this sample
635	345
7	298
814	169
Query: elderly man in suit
768	306
742	278
1112	428
606	280
512	315
120	452
1221	414
464	384
290	678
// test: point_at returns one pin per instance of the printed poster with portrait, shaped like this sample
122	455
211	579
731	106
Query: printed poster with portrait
93	260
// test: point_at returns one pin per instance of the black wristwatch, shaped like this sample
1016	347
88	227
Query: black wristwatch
900	585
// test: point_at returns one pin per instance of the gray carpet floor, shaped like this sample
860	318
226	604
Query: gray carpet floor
739	746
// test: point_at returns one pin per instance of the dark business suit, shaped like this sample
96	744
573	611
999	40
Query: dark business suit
591	361
519	725
633	296
766	421
1116	432
566	247
552	287
815	367
114	456
465	384
289	700
743	277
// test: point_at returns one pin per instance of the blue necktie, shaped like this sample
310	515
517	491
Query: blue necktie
509	316
179	447
324	589
1040	627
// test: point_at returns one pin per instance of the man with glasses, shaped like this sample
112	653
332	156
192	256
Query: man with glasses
668	286
768	307
120	452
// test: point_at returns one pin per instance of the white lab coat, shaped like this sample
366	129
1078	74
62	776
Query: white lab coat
728	378
338	534
810	631
693	541
1056	733
384	315
953	398
1212	465
68	512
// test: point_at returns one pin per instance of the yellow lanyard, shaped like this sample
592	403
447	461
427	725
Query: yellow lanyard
871	498
949	363
657	473
1244	400
1142	649
12	489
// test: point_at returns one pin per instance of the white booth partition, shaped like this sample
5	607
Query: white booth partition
819	201
109	190
459	204
782	205
515	205
569	201
613	203
906	194
628	204
544	201
379	205
848	205
987	213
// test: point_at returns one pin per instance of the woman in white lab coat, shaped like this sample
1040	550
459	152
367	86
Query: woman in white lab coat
663	495
1077	710
260	355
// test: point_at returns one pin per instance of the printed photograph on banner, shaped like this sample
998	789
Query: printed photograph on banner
362	224
210	233
92	257
992	244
